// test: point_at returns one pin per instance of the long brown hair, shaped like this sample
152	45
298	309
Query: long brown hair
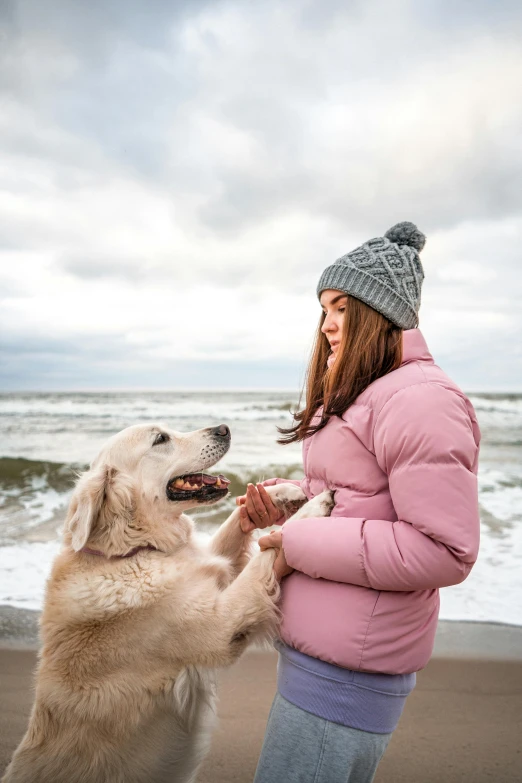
371	346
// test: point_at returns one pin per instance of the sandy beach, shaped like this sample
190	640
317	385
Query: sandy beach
463	722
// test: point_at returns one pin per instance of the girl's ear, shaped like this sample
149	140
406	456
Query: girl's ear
86	503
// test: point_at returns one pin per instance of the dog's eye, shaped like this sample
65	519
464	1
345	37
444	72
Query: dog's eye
161	437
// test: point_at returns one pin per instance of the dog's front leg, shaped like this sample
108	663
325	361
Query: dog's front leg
232	543
215	631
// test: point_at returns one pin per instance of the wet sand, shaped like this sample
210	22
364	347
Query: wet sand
462	723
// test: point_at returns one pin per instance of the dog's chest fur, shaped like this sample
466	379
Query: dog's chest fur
104	655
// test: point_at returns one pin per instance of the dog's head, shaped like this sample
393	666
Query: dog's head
139	485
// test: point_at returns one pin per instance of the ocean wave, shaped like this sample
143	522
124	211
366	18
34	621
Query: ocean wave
24	571
498	410
151	408
23	472
32	493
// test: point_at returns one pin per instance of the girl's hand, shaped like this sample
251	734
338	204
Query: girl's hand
256	509
275	541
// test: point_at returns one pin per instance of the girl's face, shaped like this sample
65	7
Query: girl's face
334	305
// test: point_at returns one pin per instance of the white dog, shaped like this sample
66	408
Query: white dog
138	614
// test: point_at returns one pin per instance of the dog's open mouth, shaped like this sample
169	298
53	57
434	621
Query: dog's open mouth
198	486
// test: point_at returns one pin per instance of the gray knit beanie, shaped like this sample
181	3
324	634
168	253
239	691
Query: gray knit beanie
385	272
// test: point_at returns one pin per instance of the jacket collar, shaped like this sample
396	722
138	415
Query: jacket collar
414	348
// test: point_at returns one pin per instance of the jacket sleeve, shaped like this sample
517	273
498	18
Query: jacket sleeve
426	443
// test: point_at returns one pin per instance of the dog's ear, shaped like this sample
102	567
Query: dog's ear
102	495
86	502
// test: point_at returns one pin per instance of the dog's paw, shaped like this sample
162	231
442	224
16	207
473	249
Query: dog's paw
287	497
319	506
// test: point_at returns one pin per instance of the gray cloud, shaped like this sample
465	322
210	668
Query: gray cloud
91	267
122	76
93	27
263	140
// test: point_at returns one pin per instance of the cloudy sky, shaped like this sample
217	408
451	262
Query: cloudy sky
174	176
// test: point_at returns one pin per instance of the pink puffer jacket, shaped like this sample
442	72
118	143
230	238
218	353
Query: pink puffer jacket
403	463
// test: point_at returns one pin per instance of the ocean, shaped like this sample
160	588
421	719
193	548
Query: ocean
45	439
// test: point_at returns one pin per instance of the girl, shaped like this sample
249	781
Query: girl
398	442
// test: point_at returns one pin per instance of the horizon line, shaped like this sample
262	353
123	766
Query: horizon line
145	389
199	389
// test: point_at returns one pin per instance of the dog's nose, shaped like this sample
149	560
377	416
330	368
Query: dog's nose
223	431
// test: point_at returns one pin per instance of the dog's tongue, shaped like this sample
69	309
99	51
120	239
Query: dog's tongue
211	480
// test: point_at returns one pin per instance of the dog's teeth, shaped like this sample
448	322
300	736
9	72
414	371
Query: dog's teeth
218	483
186	485
179	483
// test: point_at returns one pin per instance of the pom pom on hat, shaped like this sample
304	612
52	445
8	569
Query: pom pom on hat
406	234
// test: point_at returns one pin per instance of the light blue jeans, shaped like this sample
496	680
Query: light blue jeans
301	748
